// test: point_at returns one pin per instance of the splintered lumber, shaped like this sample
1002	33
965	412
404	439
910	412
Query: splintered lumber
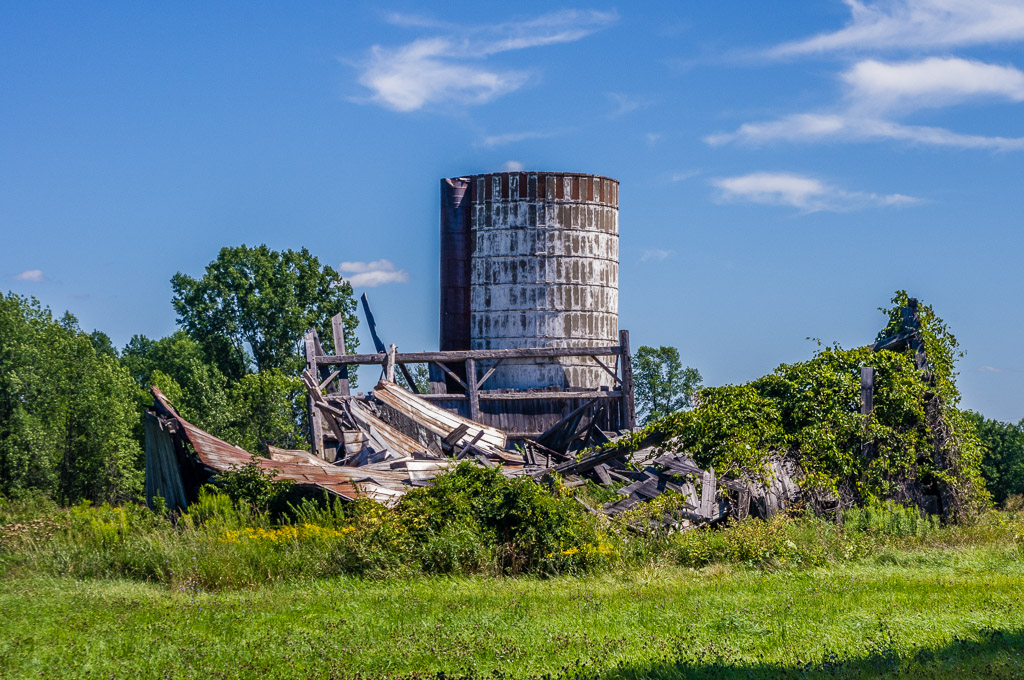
318	401
436	419
379	345
387	436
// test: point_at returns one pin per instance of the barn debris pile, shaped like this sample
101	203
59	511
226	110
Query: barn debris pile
392	440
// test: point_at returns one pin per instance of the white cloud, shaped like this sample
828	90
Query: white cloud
903	24
656	254
810	127
371	274
35	275
512	166
800	191
929	83
624	103
412	76
491	141
652	138
879	91
683	176
990	369
446	70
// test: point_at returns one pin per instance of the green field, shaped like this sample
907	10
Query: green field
956	613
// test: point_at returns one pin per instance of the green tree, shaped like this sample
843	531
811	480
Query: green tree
1003	461
251	308
268	409
662	385
67	411
178	366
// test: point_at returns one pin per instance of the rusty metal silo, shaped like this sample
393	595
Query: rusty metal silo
536	257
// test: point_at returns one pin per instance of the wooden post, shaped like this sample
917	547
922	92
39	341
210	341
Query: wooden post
338	327
628	405
316	426
472	390
867	404
389	364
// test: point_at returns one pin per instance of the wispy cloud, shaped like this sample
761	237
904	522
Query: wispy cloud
877	92
371	274
652	138
656	255
448	69
491	141
915	24
512	166
999	369
683	176
811	127
808	194
623	104
34	275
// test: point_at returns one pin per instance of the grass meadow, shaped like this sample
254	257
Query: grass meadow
228	592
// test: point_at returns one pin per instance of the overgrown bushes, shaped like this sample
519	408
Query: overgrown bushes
924	450
472	521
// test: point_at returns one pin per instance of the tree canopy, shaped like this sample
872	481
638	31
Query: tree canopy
67	409
661	384
251	308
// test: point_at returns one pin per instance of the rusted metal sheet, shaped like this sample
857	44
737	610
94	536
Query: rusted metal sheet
220	456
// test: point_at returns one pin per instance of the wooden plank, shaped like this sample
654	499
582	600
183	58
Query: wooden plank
488	374
472	444
389	364
602	473
519	396
707	494
607	370
338	329
434	418
474	401
477	354
319	402
316	428
378	344
867	405
628	405
451	373
456	434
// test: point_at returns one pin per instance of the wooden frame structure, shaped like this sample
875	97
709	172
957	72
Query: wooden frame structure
520	413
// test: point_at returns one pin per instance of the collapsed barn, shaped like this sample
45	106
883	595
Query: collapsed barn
533	375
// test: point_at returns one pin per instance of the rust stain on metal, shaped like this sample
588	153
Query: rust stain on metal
218	455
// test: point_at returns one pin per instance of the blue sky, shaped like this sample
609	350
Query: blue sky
784	167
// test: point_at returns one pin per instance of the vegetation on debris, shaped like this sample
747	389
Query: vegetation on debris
472	520
809	412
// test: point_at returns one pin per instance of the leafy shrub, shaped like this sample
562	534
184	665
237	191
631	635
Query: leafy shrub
523	522
890	519
259	487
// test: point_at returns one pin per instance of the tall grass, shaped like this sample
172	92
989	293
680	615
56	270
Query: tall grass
473	522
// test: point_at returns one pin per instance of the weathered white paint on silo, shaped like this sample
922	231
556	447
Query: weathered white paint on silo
544	271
